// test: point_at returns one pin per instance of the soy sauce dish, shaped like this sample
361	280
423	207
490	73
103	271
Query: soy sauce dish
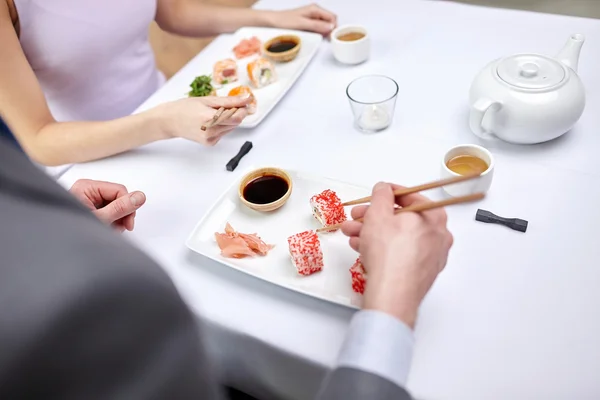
282	48
265	189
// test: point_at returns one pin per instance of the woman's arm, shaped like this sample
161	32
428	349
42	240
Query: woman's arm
24	108
196	19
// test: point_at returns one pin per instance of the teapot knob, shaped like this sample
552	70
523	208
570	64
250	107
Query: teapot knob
529	70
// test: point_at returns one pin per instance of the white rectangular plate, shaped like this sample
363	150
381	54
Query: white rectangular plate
333	283
287	73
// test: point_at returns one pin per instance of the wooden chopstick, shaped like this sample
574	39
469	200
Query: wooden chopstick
214	119
218	113
418	207
221	115
420	188
226	115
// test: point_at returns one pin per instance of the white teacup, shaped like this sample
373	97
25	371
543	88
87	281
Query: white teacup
354	51
477	185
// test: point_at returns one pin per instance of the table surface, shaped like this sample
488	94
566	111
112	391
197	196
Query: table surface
513	316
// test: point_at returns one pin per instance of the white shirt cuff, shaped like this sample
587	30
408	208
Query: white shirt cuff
380	344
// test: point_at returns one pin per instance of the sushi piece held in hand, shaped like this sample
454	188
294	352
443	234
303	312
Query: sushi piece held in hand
327	208
305	250
261	72
240	90
225	71
359	277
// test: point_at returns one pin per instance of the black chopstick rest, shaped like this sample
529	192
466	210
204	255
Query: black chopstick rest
516	224
233	163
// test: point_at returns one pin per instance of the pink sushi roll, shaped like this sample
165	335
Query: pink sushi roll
327	208
359	277
305	250
225	71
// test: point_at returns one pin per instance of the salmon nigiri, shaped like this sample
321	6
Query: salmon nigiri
240	90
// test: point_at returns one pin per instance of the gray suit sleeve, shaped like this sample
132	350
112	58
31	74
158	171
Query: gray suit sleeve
352	384
107	331
83	314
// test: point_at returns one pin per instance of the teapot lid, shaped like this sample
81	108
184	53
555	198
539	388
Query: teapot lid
531	71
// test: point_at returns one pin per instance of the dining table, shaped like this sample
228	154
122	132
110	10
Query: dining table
512	316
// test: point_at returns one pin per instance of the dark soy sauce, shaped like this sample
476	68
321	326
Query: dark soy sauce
265	189
280	47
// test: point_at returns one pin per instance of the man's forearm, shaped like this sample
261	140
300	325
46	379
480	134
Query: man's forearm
195	19
374	360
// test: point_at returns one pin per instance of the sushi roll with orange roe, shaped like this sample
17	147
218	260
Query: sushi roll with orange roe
261	72
241	90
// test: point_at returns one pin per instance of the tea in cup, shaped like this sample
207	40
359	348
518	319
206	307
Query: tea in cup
350	44
467	159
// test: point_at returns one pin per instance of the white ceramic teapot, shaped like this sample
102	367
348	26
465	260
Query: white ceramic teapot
528	98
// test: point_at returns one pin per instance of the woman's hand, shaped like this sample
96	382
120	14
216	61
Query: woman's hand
110	202
184	118
308	18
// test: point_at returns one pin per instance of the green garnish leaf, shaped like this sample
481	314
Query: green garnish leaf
225	81
201	86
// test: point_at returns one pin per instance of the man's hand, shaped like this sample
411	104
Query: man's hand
402	254
110	202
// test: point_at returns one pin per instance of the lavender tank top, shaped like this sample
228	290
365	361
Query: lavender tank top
91	57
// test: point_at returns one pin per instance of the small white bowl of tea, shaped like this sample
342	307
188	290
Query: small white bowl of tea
350	44
467	159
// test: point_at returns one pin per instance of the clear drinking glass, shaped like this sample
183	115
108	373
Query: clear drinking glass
373	100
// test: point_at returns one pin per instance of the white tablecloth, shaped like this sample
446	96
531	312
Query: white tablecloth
513	316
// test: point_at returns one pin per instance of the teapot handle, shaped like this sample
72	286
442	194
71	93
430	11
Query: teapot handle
478	110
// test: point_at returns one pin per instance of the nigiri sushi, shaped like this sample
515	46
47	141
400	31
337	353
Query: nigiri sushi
327	208
305	250
240	90
261	72
225	71
359	277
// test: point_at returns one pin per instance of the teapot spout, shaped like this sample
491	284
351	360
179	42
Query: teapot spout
569	55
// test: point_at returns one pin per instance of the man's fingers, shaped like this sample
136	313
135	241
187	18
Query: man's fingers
121	207
110	191
408	199
382	201
351	228
354	241
128	222
438	215
359	211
